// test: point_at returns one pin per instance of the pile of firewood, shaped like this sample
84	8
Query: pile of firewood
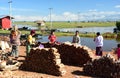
105	67
45	60
74	54
116	72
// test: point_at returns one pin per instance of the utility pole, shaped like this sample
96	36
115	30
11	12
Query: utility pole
50	18
10	13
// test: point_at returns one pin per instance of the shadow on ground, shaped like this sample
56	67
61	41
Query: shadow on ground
81	73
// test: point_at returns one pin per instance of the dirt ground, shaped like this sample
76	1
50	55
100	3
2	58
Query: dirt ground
72	71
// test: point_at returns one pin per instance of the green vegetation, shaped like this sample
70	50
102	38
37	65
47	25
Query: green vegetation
92	35
69	24
118	25
23	32
4	31
28	32
25	23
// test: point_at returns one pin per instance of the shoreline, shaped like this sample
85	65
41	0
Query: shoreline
84	43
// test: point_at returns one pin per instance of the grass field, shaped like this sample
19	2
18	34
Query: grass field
69	24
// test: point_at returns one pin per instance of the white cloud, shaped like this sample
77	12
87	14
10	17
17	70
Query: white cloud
93	10
64	17
117	6
92	14
68	16
27	18
3	8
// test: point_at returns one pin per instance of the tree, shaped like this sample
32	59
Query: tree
118	25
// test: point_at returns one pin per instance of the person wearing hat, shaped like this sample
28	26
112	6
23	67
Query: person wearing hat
29	41
99	43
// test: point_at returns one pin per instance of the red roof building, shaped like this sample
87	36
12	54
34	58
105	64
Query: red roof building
5	22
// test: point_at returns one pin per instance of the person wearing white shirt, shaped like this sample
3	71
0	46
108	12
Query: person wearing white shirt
99	44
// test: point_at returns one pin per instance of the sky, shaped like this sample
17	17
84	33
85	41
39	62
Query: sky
61	10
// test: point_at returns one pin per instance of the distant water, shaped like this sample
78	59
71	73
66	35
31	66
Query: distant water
29	27
108	44
89	29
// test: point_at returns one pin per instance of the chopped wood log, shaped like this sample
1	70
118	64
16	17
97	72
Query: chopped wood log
105	67
45	60
74	55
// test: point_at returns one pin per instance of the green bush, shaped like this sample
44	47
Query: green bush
118	25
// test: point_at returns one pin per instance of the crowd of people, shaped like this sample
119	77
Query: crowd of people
15	42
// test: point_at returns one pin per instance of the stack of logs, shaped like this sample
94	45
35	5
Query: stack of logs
105	67
74	55
45	60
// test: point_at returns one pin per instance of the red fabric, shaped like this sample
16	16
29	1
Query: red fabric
32	32
52	38
118	52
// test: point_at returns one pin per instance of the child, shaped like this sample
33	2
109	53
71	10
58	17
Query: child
15	42
118	51
29	42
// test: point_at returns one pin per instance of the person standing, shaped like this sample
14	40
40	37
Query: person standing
52	37
29	41
118	51
76	38
99	44
15	42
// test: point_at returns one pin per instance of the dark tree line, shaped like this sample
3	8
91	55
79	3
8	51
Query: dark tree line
118	25
117	29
